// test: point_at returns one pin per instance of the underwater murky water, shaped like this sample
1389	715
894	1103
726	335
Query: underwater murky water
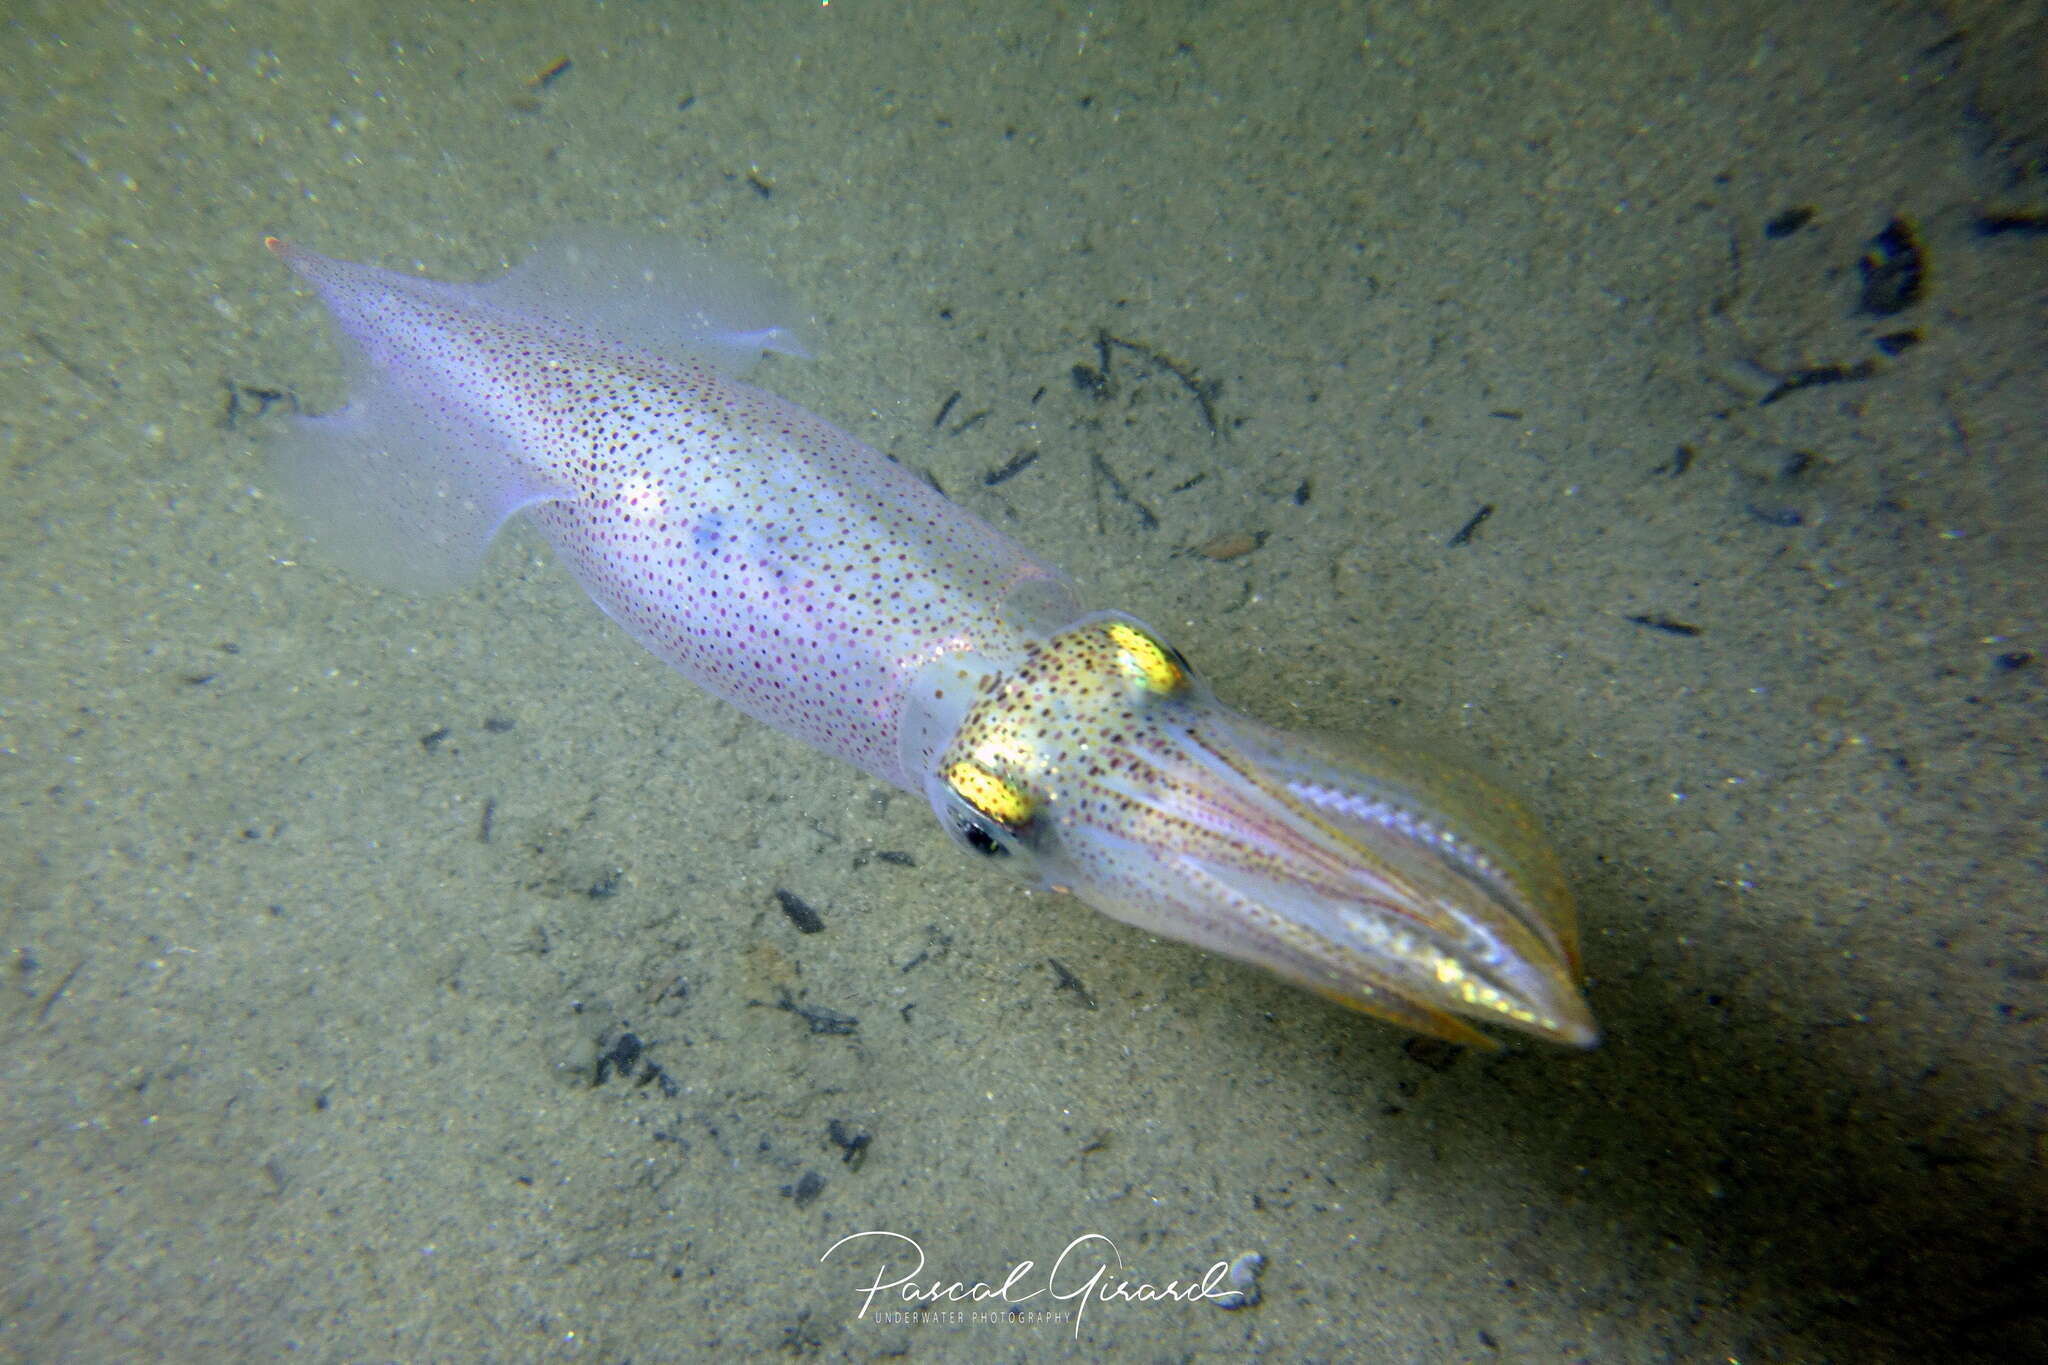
1644	403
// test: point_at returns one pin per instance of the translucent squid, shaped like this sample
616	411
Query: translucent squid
824	588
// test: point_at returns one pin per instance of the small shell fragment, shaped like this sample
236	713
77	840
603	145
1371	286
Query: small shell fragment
1244	1280
1231	545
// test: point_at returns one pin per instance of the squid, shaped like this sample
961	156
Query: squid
827	590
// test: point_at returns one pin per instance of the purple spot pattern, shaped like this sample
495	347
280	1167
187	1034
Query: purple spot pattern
757	549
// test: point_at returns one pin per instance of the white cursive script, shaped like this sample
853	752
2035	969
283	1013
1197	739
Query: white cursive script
1068	1280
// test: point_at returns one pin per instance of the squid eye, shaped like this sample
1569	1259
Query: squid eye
1151	663
995	811
977	836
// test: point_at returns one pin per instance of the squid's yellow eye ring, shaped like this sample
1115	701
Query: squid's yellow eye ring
1152	664
998	798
